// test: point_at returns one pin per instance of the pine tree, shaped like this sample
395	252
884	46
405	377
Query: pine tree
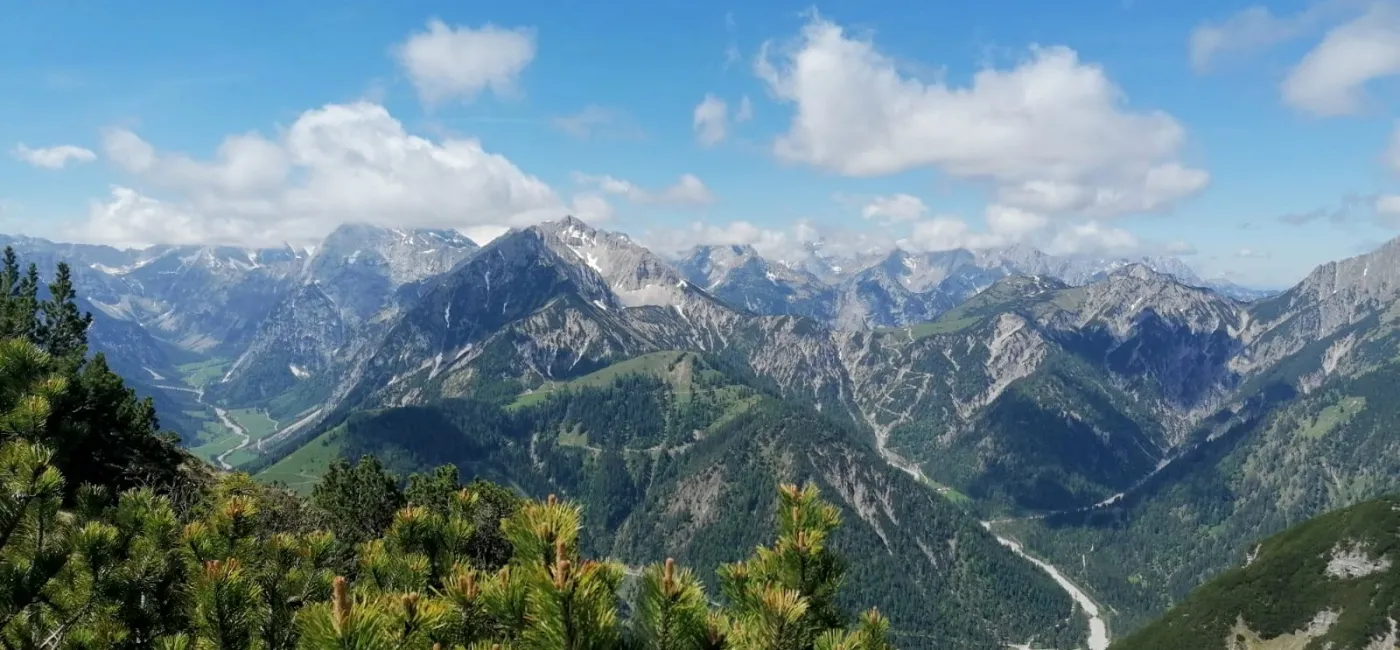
19	293
35	545
784	596
672	612
62	327
361	499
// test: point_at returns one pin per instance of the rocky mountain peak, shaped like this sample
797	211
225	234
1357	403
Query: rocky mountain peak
1129	292
1140	271
1374	276
398	255
636	275
1026	285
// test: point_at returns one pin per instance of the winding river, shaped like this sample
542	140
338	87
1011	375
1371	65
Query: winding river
1098	630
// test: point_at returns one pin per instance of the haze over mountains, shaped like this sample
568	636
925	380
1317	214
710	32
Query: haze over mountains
1133	425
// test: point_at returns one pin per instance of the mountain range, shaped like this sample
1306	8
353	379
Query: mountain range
1134	427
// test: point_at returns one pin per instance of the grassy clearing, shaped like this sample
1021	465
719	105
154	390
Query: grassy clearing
217	440
302	468
255	422
1332	417
573	438
201	373
739	407
943	326
656	363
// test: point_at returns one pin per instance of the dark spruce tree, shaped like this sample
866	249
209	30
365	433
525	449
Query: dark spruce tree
97	428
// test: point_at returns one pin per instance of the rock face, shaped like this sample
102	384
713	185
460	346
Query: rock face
739	276
332	309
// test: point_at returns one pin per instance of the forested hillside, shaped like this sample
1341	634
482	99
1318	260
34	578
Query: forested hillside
675	455
1331	582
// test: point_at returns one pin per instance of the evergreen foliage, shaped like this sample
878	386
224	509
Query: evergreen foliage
139	574
92	424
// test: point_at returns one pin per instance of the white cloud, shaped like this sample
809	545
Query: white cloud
745	112
243	163
592	208
1388	211
1179	248
128	219
711	121
945	233
447	62
1253	28
1251	253
1331	79
1392	153
337	163
1013	224
737	233
1091	238
1052	134
792	243
1006	225
895	207
482	235
53	157
687	190
585	122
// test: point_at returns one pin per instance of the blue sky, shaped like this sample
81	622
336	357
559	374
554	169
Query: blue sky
1255	140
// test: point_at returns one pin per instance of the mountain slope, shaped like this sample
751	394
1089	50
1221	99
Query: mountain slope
1043	396
741	277
1331	582
1308	429
674	454
348	286
1035	395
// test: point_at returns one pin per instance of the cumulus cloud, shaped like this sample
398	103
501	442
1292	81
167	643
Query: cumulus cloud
1013	224
458	62
687	190
946	233
1008	226
767	241
792	243
337	163
243	163
895	207
1005	226
1331	79
127	219
56	157
1091	238
710	121
1051	135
